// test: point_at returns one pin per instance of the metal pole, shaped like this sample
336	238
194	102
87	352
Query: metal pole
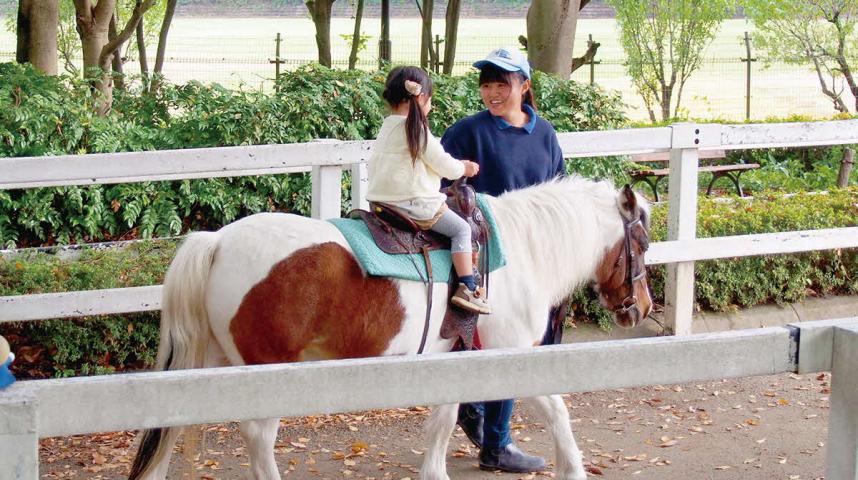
277	58
748	60
592	62
437	57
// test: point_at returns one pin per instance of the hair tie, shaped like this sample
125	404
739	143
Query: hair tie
413	88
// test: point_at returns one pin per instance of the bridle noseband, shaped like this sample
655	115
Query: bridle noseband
631	301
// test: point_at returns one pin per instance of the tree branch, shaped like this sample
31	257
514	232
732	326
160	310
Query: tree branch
126	32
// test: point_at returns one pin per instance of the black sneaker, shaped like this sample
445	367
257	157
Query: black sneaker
471	421
510	459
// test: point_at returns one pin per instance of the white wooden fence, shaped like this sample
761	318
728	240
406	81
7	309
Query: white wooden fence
30	410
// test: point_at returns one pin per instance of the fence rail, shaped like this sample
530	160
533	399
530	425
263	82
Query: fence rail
43	408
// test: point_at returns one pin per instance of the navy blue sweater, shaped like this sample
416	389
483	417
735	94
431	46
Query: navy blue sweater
510	157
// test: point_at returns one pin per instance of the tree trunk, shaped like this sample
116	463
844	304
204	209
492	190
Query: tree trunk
38	21
141	49
845	168
118	75
551	35
320	12
356	36
426	49
384	42
93	24
162	46
451	34
666	94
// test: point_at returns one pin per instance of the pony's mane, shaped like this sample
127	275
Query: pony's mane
566	223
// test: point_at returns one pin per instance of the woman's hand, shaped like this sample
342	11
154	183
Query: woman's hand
471	168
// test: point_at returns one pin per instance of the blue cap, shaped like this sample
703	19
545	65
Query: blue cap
509	59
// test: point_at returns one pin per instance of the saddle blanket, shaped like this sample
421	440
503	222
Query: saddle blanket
376	262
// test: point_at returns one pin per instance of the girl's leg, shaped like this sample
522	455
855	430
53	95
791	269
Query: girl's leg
452	225
467	295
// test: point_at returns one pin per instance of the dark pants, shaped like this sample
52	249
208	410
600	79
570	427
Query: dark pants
497	414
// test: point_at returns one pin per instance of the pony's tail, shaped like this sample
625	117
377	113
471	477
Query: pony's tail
184	337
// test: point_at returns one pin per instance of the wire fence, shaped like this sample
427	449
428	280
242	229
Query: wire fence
717	90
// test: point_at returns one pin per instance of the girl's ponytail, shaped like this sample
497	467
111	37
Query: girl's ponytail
416	127
405	84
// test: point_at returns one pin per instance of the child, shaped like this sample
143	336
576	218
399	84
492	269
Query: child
6	359
405	170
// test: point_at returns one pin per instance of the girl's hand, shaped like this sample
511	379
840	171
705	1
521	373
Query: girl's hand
471	168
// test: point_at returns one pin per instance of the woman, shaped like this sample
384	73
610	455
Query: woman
515	148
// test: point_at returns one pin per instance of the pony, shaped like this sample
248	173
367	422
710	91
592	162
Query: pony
277	287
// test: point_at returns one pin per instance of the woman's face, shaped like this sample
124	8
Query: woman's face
503	99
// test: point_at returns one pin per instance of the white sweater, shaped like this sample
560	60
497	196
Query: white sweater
393	179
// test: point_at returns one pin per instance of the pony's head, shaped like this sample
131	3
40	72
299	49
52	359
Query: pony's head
621	278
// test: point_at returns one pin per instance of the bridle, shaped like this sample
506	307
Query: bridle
631	301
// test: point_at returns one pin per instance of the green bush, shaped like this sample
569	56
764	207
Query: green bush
102	343
731	283
87	345
50	116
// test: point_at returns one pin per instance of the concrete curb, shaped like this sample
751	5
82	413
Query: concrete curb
811	309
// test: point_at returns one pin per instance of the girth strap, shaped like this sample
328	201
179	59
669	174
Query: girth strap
430	283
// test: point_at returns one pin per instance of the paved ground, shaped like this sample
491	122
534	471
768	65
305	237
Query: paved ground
770	427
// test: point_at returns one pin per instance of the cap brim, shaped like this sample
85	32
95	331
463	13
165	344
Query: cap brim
502	65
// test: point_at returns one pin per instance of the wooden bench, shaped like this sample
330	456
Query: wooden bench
652	176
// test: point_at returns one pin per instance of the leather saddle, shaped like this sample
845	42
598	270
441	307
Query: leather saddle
396	233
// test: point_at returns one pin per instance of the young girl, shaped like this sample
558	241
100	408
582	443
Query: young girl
405	170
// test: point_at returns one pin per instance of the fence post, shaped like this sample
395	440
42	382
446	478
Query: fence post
748	61
686	140
842	458
19	438
277	61
592	61
360	182
327	188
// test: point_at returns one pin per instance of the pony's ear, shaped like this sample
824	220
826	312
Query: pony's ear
629	200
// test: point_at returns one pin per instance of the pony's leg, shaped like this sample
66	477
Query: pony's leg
439	427
259	438
569	461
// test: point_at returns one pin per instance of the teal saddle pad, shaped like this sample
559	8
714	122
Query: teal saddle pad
378	263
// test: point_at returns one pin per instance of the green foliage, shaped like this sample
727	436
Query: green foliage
664	42
49	116
89	345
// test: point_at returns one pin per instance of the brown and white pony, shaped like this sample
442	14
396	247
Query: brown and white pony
276	287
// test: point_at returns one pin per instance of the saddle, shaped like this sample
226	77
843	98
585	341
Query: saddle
396	233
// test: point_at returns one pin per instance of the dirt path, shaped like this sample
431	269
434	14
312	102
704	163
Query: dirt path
771	427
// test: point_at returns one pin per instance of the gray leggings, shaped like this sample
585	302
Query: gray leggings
455	227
